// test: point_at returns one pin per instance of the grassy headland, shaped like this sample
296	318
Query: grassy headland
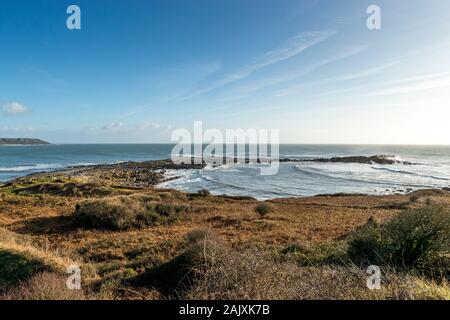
21	141
134	241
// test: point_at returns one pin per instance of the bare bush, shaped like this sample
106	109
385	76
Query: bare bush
43	286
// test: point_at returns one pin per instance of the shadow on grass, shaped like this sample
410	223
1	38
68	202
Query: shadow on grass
47	225
170	278
15	267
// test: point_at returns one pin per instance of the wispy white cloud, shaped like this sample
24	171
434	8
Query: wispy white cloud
172	83
255	110
396	86
9	129
339	78
41	74
423	83
141	127
399	86
112	126
149	126
14	108
114	132
277	79
359	74
293	47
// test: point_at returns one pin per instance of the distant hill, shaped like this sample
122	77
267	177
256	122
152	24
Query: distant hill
22	141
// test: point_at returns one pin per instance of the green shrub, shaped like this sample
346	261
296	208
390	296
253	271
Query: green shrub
125	212
204	193
262	209
315	255
169	209
413	240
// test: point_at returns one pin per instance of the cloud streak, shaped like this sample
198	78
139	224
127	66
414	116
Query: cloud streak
9	129
345	77
399	86
346	53
291	48
112	126
14	108
136	128
427	83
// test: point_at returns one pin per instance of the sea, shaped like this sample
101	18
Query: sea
430	169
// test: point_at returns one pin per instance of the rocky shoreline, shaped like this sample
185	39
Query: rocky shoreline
129	237
375	159
151	173
126	174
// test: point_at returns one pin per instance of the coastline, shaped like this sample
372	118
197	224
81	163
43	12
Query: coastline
153	172
92	216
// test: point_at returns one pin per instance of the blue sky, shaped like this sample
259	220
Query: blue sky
139	69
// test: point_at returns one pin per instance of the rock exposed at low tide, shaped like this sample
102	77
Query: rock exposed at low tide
126	174
377	159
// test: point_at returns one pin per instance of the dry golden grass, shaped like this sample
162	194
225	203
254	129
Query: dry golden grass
251	276
23	265
209	269
56	260
43	286
46	222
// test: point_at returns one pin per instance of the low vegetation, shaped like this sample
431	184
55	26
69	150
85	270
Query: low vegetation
21	260
209	269
43	286
262	209
16	267
416	240
126	212
71	189
316	255
204	193
138	242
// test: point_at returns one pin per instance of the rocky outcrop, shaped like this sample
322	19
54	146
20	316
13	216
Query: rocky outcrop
21	141
378	159
126	174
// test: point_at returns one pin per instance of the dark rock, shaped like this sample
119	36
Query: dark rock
21	141
378	159
126	174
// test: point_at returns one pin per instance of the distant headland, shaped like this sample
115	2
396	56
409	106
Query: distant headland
21	141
